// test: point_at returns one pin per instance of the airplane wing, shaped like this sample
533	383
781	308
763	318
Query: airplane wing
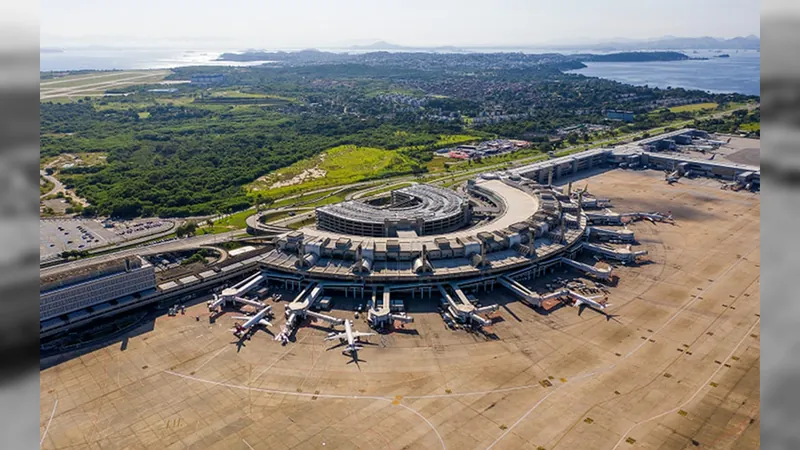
240	318
336	336
264	323
360	334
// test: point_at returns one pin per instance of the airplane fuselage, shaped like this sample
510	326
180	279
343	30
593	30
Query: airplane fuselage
348	330
249	323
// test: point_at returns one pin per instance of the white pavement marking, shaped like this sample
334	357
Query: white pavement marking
209	359
276	391
44	435
637	348
533	408
276	361
441	441
305	394
702	386
248	445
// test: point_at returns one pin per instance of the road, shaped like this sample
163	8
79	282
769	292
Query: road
171	246
57	185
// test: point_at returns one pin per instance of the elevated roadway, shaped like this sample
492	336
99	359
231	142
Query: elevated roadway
164	247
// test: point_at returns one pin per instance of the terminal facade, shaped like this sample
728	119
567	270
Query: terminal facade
95	286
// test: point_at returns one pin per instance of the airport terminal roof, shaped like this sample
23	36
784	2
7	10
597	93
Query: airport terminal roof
82	273
524	206
433	203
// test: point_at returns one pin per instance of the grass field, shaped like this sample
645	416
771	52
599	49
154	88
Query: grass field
302	199
752	126
694	107
236	221
301	224
247	95
336	198
45	186
341	165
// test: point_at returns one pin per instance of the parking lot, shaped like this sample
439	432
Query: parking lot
59	235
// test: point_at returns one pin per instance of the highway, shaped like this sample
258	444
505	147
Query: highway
170	246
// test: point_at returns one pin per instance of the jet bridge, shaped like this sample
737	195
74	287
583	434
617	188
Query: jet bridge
534	299
235	294
461	308
605	217
595	203
529	297
597	272
604	234
299	308
379	312
625	255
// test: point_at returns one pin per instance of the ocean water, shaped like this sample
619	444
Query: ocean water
132	59
741	73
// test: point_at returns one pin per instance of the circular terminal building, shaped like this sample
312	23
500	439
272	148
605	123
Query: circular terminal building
419	209
428	234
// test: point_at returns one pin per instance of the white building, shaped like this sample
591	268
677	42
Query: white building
74	290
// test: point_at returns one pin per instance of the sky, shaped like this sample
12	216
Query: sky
279	24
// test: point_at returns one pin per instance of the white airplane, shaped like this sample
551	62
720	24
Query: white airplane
581	302
241	330
349	336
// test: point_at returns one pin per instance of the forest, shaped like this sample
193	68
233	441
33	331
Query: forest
178	154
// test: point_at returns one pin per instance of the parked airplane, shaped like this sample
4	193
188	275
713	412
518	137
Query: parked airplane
350	337
672	177
581	302
242	330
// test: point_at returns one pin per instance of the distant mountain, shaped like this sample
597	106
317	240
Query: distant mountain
380	45
385	46
670	42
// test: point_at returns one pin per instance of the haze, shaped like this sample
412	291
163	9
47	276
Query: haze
319	23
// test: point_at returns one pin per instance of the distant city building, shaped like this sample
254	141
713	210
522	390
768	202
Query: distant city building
94	285
626	116
207	79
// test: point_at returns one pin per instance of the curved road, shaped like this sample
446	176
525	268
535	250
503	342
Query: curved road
171	246
57	185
